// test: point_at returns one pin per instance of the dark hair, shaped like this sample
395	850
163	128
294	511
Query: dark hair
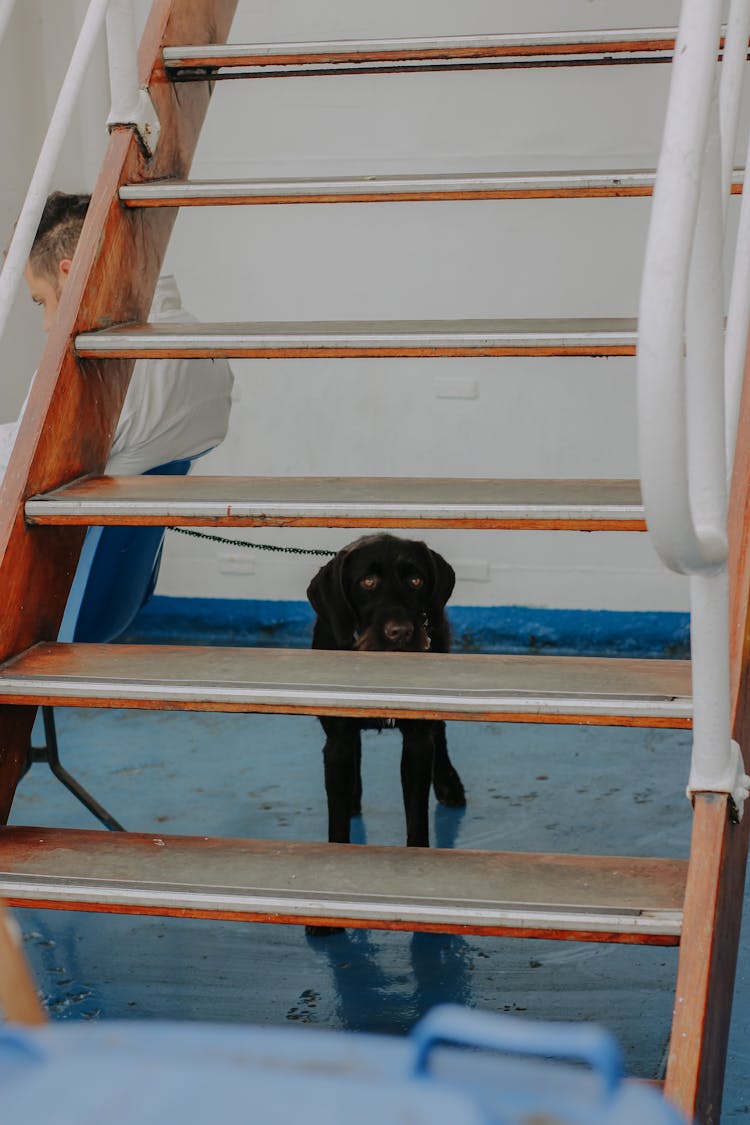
58	232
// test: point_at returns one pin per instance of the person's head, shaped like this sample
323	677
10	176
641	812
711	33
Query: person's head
53	248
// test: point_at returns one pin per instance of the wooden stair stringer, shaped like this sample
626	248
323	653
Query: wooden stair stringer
72	412
718	856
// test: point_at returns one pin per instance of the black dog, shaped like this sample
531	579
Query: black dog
387	594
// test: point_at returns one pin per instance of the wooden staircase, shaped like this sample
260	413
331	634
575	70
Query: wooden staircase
54	490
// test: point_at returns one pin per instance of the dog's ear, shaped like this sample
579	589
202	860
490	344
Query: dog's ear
327	596
444	579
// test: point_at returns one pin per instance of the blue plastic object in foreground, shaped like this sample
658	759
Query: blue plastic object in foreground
571	1042
190	1074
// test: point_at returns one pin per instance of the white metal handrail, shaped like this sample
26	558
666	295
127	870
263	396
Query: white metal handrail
732	76
682	350
662	410
130	106
738	312
738	318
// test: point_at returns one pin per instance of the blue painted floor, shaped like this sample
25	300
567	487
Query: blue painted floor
531	788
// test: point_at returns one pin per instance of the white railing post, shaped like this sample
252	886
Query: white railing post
738	313
681	366
131	104
738	323
716	763
704	351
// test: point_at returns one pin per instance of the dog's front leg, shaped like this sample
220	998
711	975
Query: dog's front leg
416	777
341	759
447	784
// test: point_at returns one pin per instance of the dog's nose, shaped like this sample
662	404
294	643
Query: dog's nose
398	632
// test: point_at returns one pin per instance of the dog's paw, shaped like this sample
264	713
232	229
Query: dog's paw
323	931
449	790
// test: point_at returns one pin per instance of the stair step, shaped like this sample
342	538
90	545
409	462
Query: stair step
383	189
336	339
560	48
583	897
572	505
617	692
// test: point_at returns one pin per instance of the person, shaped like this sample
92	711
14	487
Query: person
174	409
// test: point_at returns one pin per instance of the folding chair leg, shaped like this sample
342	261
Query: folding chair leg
50	754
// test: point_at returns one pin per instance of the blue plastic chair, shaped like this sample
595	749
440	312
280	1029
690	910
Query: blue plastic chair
115	577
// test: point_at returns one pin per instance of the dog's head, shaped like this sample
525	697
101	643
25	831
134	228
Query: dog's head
383	593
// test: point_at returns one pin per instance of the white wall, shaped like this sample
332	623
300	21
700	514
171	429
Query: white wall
521	417
22	98
34	56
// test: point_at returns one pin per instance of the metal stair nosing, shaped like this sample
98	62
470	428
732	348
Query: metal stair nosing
378	339
352	502
575	48
616	899
404	188
460	686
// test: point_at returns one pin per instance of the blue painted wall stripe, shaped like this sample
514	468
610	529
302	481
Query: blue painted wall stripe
512	629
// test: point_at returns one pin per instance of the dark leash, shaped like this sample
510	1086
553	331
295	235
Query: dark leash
425	623
252	546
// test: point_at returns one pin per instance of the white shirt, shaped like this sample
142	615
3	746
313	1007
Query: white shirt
174	408
8	431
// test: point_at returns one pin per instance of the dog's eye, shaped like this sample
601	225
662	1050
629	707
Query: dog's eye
370	582
415	581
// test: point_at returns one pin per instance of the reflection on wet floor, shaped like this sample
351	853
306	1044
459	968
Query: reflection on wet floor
574	789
